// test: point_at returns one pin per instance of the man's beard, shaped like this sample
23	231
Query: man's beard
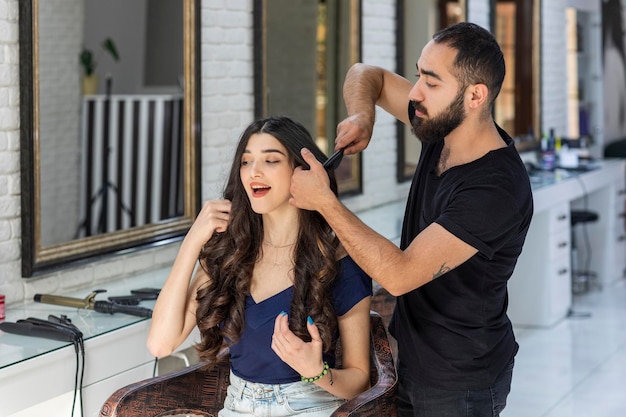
437	128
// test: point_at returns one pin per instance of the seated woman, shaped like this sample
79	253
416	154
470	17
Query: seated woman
273	285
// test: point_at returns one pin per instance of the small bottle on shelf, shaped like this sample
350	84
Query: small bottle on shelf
548	156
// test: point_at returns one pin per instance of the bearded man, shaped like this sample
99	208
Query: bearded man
465	223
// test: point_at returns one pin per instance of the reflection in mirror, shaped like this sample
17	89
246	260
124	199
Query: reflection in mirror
451	12
417	21
303	52
108	126
517	108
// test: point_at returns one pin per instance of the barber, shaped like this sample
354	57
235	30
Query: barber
466	220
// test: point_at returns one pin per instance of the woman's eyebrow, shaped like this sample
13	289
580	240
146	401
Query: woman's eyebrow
273	151
267	151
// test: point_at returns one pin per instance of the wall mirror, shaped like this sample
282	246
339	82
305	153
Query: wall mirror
516	26
303	50
109	106
417	21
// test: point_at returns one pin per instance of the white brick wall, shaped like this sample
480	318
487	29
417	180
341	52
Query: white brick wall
227	86
227	107
553	60
10	277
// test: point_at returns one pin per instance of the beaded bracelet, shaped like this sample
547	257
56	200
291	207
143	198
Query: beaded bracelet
316	377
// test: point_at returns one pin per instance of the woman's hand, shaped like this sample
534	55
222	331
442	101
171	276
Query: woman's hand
214	217
304	357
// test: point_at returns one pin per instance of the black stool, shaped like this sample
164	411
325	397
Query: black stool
582	278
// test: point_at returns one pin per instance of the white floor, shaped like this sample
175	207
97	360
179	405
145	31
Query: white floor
576	368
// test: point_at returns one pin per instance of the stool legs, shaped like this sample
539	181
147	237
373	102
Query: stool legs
582	278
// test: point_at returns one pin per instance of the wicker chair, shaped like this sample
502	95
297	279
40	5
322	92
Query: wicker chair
199	391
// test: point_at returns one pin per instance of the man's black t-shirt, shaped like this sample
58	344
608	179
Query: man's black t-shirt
454	332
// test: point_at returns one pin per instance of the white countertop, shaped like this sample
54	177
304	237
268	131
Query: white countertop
16	348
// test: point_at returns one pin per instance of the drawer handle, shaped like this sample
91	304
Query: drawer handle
621	238
562	217
563	271
621	192
562	244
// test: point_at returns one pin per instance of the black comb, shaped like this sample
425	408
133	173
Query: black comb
334	160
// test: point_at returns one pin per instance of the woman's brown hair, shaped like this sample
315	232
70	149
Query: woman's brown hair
229	257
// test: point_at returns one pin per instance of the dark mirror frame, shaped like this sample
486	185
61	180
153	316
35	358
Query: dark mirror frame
37	259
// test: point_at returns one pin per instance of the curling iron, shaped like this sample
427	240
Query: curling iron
90	303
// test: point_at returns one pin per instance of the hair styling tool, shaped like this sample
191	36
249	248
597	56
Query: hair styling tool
334	160
55	328
90	303
61	326
146	291
28	328
132	299
66	322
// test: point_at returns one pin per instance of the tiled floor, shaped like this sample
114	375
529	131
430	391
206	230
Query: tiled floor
576	368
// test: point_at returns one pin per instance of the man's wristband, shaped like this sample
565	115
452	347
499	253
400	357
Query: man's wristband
316	377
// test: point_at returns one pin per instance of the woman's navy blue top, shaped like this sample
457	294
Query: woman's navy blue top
252	357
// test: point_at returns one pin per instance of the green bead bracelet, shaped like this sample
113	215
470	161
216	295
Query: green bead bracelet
316	377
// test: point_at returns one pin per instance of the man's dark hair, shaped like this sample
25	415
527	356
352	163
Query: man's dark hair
479	59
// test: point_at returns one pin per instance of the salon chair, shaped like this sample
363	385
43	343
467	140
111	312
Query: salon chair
616	149
199	390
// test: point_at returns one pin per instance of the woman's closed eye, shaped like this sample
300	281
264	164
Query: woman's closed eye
245	162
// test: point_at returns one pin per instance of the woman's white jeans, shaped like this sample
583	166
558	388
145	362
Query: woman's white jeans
298	398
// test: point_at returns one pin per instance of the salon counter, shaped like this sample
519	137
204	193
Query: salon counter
540	291
34	371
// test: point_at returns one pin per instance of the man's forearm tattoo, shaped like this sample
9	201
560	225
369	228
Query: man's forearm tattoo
442	270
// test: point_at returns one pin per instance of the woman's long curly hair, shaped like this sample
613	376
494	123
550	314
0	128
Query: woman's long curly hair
229	257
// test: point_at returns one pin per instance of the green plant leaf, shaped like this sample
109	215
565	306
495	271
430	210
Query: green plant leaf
109	46
87	61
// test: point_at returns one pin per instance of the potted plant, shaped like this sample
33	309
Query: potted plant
88	61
